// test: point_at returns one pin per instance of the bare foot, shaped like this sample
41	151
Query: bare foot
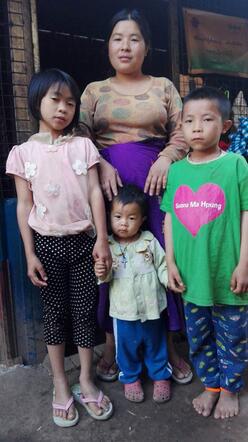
62	395
227	405
204	403
88	389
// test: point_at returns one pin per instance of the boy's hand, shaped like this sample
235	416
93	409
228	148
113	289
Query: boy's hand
239	279
36	272
101	270
175	282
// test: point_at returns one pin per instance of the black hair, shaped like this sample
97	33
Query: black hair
130	193
39	85
213	94
135	15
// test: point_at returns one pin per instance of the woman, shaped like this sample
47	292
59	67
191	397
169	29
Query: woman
135	121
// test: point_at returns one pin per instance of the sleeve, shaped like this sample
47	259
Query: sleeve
242	171
92	154
166	204
160	262
176	148
15	164
87	108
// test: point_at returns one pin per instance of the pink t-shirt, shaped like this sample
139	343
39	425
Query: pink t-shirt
57	173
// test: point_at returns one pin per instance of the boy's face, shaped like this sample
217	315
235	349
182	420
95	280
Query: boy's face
202	125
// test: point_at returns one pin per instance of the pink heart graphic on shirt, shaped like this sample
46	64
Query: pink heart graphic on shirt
194	209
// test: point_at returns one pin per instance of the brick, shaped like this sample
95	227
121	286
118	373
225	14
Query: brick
15	6
18	55
16	31
19	67
16	19
17	43
20	91
19	79
21	103
22	114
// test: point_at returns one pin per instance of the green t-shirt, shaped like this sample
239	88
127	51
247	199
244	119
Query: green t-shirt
205	201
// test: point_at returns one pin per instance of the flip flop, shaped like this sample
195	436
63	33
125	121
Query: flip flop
181	366
81	399
106	375
60	421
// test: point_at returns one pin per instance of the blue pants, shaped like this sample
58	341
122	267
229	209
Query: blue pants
129	337
218	343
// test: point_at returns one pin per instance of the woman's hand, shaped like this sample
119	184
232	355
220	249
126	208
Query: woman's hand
109	179
157	176
36	272
101	252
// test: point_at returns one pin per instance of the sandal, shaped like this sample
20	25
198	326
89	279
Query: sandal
185	369
161	391
83	400
63	422
134	392
107	372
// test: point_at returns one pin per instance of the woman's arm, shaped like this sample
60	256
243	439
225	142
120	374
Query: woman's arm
174	279
109	179
36	271
101	249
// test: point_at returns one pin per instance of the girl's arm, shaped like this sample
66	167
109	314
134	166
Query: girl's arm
174	279
24	205
101	249
239	279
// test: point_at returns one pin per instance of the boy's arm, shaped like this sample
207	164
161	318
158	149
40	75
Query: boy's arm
101	249
175	282
239	279
36	271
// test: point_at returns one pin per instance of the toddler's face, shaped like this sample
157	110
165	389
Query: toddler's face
126	221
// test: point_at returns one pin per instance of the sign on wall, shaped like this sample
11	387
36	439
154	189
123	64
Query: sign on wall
216	43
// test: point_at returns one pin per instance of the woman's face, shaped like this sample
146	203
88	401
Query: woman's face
127	48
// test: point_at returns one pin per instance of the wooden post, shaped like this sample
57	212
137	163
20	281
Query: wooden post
174	42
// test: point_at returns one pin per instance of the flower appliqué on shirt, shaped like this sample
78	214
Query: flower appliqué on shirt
30	170
115	263
41	210
148	256
80	167
52	189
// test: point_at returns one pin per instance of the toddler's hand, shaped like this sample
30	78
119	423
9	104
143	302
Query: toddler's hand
101	270
36	272
175	282
239	279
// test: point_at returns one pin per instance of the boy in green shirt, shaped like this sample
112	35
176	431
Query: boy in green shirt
206	231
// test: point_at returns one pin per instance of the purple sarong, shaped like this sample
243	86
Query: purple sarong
133	162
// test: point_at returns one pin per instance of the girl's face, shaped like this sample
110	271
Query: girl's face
57	110
127	48
126	221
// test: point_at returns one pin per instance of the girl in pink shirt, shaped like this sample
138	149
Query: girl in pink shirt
60	209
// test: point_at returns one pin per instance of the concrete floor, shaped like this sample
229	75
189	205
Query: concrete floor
25	414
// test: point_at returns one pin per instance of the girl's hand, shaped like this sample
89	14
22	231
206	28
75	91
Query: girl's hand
239	279
109	179
100	269
175	282
101	252
36	271
157	176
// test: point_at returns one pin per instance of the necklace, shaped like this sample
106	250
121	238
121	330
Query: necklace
123	254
